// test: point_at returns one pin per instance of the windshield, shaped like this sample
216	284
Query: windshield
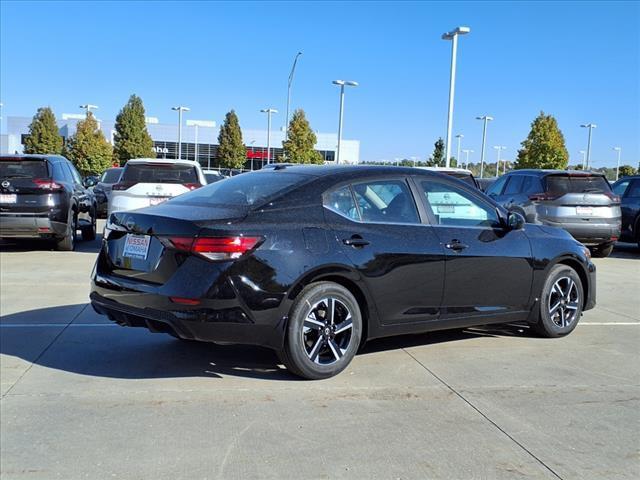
159	173
15	168
561	184
111	176
245	190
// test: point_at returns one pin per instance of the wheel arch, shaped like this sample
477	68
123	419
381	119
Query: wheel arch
579	269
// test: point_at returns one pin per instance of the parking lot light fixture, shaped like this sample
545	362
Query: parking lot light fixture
453	36
88	107
459	137
293	71
619	150
269	112
590	126
467	152
499	148
180	109
584	159
486	119
342	84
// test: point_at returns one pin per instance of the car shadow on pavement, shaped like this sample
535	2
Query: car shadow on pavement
95	347
29	245
626	250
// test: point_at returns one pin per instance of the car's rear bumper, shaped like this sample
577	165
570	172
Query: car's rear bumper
227	321
588	233
30	225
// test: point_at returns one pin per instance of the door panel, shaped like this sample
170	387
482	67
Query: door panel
402	264
488	268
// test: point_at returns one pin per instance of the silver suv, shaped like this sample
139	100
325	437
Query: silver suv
580	202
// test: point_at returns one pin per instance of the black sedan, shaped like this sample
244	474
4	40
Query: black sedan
312	261
628	189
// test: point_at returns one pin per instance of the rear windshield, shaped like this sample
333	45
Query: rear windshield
465	177
247	189
111	176
159	173
12	168
561	184
213	177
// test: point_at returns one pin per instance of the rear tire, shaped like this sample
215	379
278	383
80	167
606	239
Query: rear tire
602	251
323	333
68	243
561	302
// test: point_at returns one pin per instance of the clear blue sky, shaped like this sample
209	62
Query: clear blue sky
576	60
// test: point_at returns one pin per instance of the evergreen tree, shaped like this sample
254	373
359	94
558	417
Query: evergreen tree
88	149
544	147
437	158
131	139
231	151
626	171
301	140
44	136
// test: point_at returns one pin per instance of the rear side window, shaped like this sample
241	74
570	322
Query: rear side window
14	168
111	176
561	184
341	201
247	189
531	184
387	201
634	191
514	185
159	173
496	187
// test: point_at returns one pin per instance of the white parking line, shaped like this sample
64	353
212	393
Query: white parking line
609	323
59	325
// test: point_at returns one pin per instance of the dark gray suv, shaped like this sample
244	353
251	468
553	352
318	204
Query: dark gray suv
580	202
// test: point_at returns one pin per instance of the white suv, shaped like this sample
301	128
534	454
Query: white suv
150	181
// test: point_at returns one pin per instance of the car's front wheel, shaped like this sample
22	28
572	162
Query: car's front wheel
323	333
560	303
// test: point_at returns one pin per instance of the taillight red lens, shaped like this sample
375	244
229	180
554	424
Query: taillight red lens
192	186
185	301
614	198
122	186
47	184
540	197
214	248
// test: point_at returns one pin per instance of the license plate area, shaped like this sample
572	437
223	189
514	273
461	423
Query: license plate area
157	200
8	198
136	246
584	211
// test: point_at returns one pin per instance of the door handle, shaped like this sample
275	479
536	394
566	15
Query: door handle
456	245
356	241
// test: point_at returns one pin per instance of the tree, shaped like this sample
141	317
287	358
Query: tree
131	139
231	151
437	158
44	136
300	142
626	171
544	147
88	149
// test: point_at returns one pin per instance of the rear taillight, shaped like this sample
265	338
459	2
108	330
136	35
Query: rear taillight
122	186
213	248
614	198
192	186
540	197
46	184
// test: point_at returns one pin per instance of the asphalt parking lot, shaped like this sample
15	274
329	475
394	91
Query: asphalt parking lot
84	398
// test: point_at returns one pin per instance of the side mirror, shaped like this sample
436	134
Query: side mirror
515	221
88	182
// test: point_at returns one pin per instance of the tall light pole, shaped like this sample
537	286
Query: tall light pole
196	124
180	109
584	159
486	119
619	150
414	160
453	36
293	69
499	148
269	112
590	126
467	151
342	84
459	137
88	107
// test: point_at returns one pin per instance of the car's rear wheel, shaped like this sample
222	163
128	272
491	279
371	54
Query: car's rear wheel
68	243
323	333
560	302
602	251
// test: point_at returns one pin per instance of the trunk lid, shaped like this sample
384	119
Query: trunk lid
26	186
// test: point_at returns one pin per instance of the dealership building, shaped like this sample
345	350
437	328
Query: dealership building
199	141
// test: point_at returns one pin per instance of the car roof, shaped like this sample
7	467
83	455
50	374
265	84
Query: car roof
38	156
326	170
542	172
163	160
447	170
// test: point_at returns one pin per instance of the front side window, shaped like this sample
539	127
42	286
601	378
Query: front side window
514	186
531	184
387	201
454	206
634	191
621	187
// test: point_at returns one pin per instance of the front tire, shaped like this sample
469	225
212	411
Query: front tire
560	302
323	332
